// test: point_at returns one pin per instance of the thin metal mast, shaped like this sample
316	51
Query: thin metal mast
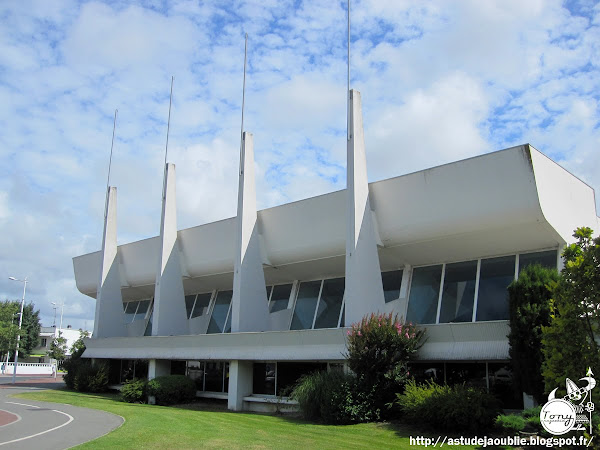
348	136
112	144
243	103
169	120
164	193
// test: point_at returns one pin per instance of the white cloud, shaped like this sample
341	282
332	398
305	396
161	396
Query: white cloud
440	81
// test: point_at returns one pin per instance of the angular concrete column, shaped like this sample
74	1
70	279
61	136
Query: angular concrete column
364	289
240	384
170	317
109	319
249	305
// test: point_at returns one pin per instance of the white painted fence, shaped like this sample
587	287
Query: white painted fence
28	368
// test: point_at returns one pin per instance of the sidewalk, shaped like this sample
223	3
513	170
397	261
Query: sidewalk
32	381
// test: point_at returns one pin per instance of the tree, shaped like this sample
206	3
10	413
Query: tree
529	311
8	328
58	348
30	327
380	348
78	346
570	343
30	330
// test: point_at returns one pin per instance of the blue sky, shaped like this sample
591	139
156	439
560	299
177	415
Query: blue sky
440	81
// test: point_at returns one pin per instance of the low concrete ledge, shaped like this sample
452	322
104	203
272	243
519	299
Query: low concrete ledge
270	399
217	395
270	404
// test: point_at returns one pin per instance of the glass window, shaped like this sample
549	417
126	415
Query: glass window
148	331
178	367
335	367
213	379
228	323
142	310
220	312
343	318
189	304
545	259
391	284
494	277
306	303
458	293
201	306
280	297
195	371
424	293
328	311
264	378
502	385
130	311
427	371
469	374
288	374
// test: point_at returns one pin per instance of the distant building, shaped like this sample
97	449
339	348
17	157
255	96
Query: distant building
245	305
47	335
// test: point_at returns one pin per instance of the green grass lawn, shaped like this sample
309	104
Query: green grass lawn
169	427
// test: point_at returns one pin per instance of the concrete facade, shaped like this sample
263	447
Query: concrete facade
254	298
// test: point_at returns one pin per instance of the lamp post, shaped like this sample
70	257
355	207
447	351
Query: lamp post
62	310
14	379
54	323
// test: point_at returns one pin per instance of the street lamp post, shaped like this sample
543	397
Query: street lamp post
14	379
54	323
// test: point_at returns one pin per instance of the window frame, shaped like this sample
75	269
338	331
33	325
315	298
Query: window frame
213	302
477	280
295	292
212	296
398	269
272	289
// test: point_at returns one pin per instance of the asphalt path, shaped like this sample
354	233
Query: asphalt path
29	424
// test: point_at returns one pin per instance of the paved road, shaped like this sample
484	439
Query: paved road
28	424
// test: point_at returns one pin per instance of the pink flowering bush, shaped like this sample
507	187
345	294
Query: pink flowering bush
378	343
380	347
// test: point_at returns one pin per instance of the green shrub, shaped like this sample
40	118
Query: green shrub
172	389
71	367
98	380
334	398
354	403
532	419
379	348
82	376
450	408
529	305
316	393
510	424
135	391
528	420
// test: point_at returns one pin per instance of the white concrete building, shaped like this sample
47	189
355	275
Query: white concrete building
47	334
246	304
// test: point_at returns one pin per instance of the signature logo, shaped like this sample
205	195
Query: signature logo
571	412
